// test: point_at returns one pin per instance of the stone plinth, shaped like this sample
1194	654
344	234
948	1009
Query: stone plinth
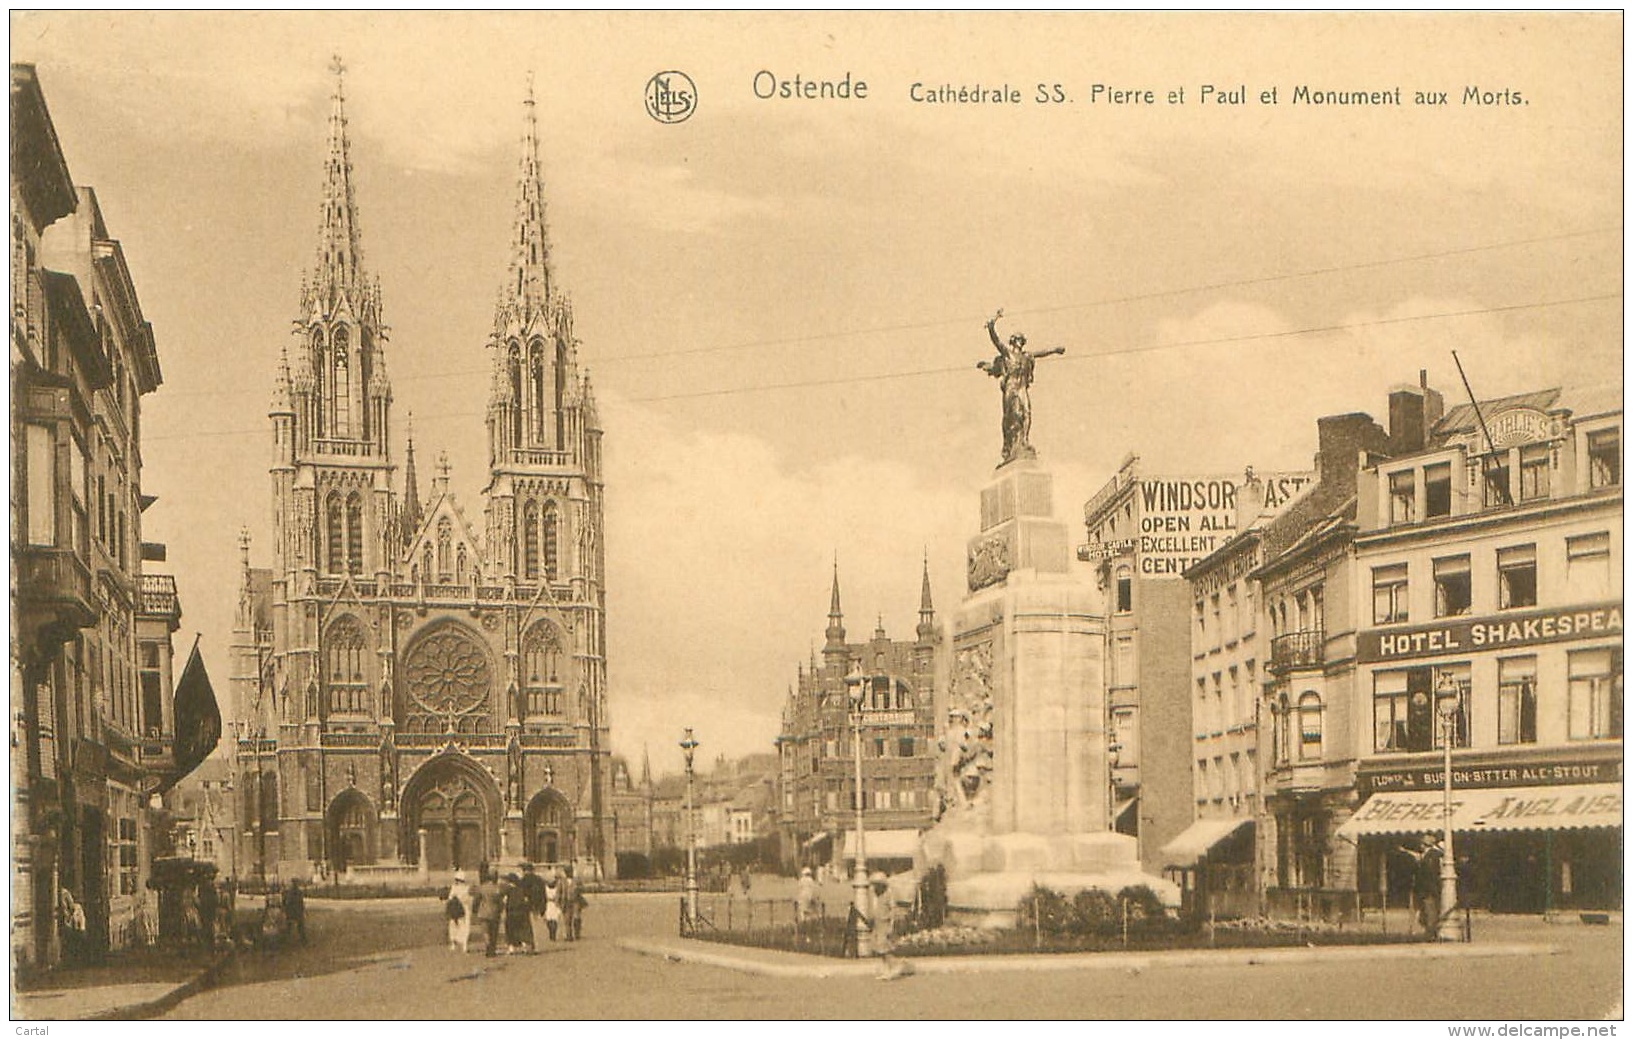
1029	779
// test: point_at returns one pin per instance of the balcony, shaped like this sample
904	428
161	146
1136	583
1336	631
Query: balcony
59	580
539	457
1297	650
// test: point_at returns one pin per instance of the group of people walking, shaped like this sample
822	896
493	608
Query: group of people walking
508	906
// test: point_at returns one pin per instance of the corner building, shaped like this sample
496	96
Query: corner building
419	690
1491	570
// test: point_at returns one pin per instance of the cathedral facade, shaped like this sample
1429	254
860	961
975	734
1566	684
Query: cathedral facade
418	688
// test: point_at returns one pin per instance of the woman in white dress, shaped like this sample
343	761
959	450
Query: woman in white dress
459	927
552	905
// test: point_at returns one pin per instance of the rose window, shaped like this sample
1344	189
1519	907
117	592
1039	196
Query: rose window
448	683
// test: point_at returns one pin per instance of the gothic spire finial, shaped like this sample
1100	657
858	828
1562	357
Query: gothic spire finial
529	276
413	508
836	618
927	610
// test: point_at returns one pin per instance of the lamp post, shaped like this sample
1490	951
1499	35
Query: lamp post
856	686
689	746
1447	697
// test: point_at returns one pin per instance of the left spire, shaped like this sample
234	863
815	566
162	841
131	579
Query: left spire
340	253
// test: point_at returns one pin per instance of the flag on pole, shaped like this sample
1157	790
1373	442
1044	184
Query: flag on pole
198	718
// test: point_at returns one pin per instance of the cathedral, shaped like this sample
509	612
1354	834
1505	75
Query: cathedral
418	688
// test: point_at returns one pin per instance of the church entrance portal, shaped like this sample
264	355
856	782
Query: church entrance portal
549	823
453	809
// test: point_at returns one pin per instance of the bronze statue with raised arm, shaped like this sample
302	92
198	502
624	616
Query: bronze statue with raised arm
1012	367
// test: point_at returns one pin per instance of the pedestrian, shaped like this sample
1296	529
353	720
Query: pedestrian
208	905
744	881
1426	885
552	906
489	904
274	922
805	896
518	916
294	903
457	909
880	927
569	904
533	887
190	925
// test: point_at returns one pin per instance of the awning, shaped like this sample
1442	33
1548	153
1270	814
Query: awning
1561	807
898	844
1195	841
1121	810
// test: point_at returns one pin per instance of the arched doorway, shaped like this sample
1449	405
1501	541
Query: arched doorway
549	828
453	804
352	835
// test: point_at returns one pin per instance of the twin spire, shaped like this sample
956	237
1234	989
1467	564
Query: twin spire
835	631
528	279
340	251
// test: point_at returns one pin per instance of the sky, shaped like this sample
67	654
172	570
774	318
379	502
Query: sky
781	301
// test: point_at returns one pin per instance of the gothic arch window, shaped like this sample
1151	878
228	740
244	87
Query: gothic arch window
335	532
343	385
354	534
319	366
552	542
535	404
428	571
561	388
530	542
460	564
447	677
445	540
347	649
515	394
541	664
365	368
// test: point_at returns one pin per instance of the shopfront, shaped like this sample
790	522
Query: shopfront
1524	842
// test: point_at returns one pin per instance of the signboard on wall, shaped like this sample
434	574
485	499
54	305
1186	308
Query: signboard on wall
1182	520
1465	635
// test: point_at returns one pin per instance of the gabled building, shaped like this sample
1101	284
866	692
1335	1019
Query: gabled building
817	792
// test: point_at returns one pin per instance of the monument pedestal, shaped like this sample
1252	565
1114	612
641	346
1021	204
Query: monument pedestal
1029	782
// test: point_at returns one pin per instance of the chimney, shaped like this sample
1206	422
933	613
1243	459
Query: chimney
1434	405
1407	430
1344	439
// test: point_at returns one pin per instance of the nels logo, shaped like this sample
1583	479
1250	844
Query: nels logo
671	97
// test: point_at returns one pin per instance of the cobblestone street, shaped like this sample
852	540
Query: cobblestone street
383	960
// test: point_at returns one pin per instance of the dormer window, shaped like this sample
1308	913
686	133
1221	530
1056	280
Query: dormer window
1534	472
1604	458
1402	497
1437	490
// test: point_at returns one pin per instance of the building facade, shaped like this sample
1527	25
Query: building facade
1490	584
90	631
422	690
1144	531
817	786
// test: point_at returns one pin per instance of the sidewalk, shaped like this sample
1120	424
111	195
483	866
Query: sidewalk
783	964
130	984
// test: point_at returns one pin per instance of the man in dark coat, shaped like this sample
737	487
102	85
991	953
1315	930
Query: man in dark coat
295	909
208	906
532	887
1426	885
489	898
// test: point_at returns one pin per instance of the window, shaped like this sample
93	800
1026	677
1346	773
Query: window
1517	700
1250	617
1216	710
878	747
1125	590
1309	726
336	539
1517	577
1389	594
1444	676
354	535
1123	662
1587	566
1233	617
881	799
530	542
831	800
1534	472
904	747
1218	625
1201	706
1236	712
1201	624
1604	458
1201	776
909	799
42	486
1453	590
1125	737
152	701
347	687
541	659
1402	497
1496	467
551	535
1437	490
1390	716
1596	694
125	855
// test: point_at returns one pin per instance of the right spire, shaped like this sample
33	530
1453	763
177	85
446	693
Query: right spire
529	276
836	618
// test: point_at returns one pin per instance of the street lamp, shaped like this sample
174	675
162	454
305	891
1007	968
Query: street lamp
856	686
689	746
1448	695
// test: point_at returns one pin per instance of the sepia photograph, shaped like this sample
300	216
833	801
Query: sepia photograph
817	516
